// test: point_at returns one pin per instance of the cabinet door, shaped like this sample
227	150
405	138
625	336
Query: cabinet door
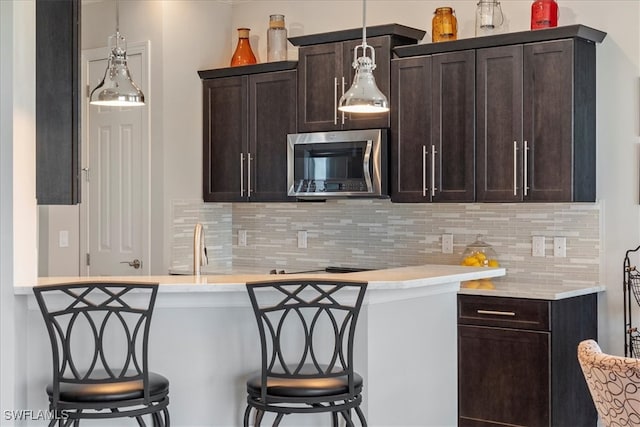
411	129
225	133
548	119
272	115
503	377
453	127
319	78
57	102
382	47
499	124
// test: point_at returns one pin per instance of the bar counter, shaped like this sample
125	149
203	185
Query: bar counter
205	340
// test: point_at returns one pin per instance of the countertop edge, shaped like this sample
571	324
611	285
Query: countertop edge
556	293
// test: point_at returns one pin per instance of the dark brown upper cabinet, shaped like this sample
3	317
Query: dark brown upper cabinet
57	102
325	72
432	113
536	122
535	97
247	114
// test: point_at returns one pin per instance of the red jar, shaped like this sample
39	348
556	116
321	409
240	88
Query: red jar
544	14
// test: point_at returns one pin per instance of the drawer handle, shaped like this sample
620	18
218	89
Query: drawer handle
497	313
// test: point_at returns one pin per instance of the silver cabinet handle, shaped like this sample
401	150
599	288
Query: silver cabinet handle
241	174
424	171
497	313
433	170
335	101
343	84
248	174
136	263
526	170
515	168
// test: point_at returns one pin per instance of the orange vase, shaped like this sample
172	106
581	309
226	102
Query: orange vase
243	54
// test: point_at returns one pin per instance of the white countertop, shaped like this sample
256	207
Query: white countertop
422	278
535	291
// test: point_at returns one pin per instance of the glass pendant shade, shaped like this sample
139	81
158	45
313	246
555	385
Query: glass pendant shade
117	89
364	96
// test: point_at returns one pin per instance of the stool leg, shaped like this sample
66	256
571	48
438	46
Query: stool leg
347	417
259	415
247	413
363	421
334	419
276	423
167	419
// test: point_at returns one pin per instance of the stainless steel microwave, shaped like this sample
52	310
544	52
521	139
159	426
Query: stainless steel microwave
349	163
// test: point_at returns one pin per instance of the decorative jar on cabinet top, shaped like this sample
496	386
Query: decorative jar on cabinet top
479	254
489	17
444	25
276	39
544	14
243	54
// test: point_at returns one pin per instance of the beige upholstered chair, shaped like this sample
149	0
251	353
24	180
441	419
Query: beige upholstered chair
614	383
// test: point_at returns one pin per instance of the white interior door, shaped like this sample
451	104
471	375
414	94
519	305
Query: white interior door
116	184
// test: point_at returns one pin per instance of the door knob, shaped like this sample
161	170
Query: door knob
136	263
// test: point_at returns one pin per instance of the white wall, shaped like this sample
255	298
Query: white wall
18	243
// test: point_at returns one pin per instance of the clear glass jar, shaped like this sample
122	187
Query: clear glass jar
489	17
276	39
243	54
444	25
479	254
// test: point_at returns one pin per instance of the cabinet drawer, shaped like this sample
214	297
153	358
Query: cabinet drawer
503	312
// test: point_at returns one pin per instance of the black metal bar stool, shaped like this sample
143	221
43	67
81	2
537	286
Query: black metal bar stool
315	373
99	336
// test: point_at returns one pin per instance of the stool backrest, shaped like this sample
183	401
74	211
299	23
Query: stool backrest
99	332
306	327
614	384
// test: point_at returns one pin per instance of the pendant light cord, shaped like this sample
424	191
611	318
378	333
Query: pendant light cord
117	17
364	23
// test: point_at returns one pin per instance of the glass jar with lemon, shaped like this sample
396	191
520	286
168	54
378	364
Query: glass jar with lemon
479	254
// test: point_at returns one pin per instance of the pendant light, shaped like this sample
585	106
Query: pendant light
117	89
364	96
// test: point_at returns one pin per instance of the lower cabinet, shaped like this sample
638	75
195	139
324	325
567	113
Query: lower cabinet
517	362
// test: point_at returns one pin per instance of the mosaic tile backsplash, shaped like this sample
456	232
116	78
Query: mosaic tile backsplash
381	234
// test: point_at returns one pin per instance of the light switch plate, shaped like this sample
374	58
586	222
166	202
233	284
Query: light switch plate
537	246
63	239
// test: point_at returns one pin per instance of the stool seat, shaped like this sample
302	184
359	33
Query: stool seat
110	392
303	387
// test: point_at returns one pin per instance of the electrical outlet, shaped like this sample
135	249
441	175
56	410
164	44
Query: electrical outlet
302	239
560	247
537	246
447	243
242	237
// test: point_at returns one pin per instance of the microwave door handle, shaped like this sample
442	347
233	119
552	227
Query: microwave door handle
366	166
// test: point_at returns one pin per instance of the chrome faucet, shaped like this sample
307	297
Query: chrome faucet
199	250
